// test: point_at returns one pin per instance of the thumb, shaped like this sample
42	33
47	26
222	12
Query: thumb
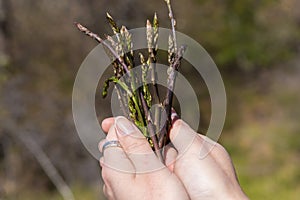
182	136
136	146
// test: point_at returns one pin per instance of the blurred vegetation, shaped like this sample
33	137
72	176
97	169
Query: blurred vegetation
254	43
247	34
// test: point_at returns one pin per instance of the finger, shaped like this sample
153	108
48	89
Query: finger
170	158
136	146
115	157
100	145
222	157
113	177
107	192
218	153
131	139
104	190
107	123
101	161
183	137
111	135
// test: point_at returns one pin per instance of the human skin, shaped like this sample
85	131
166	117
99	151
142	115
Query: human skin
204	166
196	165
127	176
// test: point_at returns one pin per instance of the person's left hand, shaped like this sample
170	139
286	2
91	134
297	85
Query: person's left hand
133	171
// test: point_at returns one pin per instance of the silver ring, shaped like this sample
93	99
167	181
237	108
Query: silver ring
112	143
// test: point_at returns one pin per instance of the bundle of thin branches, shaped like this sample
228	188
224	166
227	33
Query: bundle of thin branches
136	102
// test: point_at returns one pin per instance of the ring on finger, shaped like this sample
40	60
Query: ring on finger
112	143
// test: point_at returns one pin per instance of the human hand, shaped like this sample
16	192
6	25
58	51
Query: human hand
133	171
203	166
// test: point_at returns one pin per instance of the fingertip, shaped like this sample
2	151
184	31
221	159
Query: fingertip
182	136
107	123
104	190
130	136
136	146
124	126
101	161
170	158
174	115
178	124
100	145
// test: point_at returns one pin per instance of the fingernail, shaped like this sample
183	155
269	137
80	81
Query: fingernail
123	126
174	115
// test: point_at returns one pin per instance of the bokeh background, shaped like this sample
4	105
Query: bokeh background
255	44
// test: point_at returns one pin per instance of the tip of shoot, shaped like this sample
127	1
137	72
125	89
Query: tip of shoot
148	23
108	15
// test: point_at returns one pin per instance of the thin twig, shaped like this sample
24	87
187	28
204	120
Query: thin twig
173	23
150	127
174	60
173	63
152	40
122	103
172	79
169	97
103	42
152	34
42	158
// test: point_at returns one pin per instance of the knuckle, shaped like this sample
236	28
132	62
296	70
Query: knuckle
178	123
136	145
104	175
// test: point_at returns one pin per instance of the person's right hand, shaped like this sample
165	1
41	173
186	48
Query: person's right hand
203	166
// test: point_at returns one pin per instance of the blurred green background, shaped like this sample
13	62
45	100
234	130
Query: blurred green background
255	44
